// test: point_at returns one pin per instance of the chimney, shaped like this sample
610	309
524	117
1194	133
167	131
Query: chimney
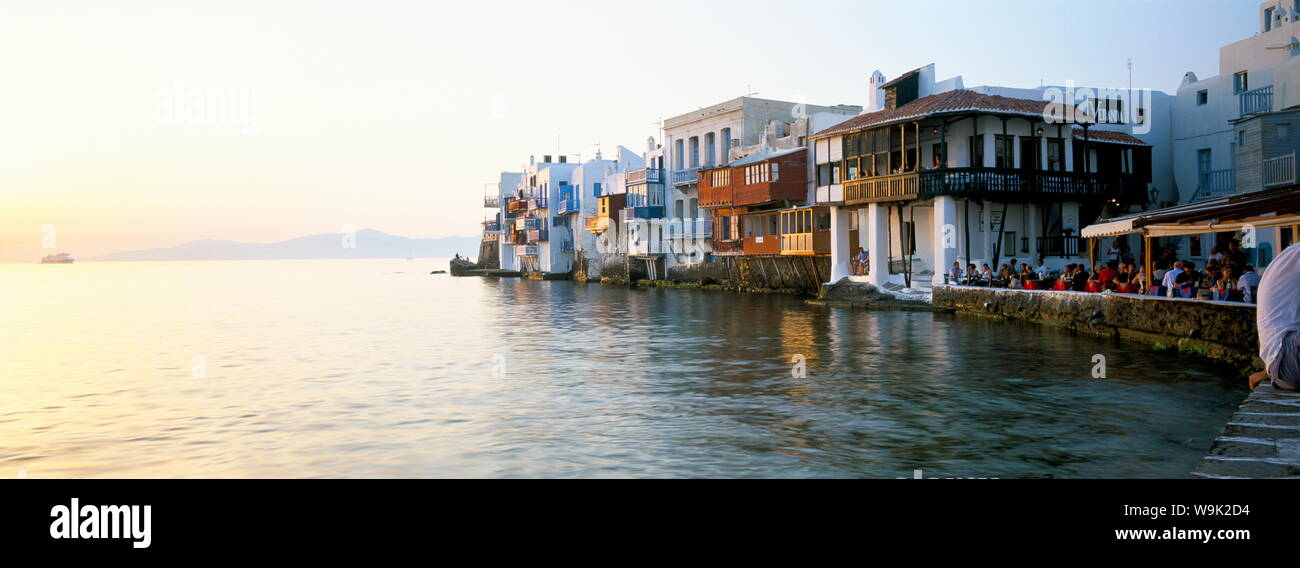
875	96
650	144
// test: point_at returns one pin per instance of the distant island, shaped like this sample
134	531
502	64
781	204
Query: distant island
368	243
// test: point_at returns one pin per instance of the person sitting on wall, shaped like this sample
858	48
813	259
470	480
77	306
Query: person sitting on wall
954	273
1278	320
972	274
1015	283
864	260
986	275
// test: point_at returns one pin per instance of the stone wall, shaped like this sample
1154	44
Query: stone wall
784	274
1218	330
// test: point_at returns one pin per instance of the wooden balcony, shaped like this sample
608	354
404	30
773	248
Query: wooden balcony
768	244
1257	101
806	244
720	196
597	224
516	205
728	248
1007	185
768	192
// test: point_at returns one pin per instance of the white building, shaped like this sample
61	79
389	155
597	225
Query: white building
934	173
704	139
1229	129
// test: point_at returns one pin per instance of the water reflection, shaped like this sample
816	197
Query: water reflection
375	368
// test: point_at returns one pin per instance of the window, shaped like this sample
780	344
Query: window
1241	138
1240	83
1203	160
695	151
1056	154
726	145
1268	19
1009	244
720	178
1202	97
1002	151
1283	131
851	168
835	173
977	151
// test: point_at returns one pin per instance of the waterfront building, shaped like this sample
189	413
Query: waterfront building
601	190
936	173
494	227
708	138
542	238
1237	131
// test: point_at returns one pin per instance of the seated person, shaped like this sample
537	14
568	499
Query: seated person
1278	320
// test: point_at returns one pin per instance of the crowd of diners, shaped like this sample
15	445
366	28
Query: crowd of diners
1225	277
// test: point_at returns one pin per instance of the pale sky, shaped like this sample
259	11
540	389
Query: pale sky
392	115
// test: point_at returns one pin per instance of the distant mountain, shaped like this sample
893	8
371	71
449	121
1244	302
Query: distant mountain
368	243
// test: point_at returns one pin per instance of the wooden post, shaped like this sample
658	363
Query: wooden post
1150	272
1092	254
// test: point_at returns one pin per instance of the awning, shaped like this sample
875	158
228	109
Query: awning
1259	209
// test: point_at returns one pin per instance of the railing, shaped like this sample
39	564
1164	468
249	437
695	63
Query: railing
527	250
1280	170
492	201
646	175
537	203
596	224
1061	246
567	205
728	247
818	242
986	182
1257	101
492	226
631	214
538	236
516	205
566	246
528	224
690	229
686	177
1216	183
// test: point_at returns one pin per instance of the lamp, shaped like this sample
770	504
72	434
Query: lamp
1039	131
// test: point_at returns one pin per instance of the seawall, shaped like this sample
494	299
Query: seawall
1223	331
1262	440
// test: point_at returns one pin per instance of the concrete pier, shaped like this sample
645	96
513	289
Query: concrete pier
1261	441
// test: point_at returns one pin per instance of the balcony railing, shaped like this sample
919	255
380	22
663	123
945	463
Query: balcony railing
1216	183
814	243
516	205
1280	170
492	201
567	205
989	183
1061	246
528	224
1257	101
646	175
686	177
538	236
596	224
690	229
527	250
492	226
537	203
644	212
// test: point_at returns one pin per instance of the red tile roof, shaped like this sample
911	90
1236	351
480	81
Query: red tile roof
949	102
1110	136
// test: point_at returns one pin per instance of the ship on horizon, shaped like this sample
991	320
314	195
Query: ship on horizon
61	258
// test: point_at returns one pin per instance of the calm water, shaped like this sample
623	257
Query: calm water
376	368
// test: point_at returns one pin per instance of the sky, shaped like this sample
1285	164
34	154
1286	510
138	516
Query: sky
128	125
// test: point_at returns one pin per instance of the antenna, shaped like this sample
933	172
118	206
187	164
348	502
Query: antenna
750	90
597	145
1130	75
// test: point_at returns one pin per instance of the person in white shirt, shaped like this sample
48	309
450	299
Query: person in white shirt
1170	280
1247	284
1041	270
1278	319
